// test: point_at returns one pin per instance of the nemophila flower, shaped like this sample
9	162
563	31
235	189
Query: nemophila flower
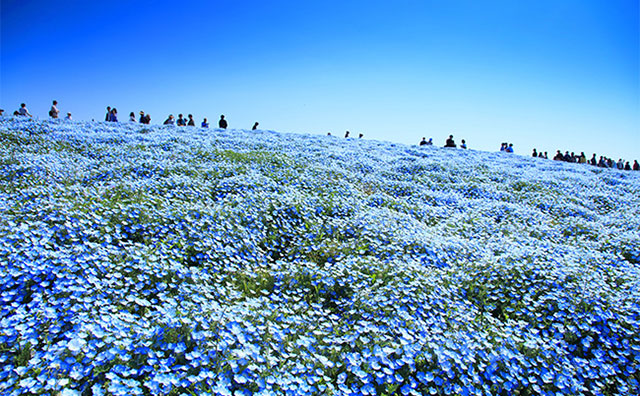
185	260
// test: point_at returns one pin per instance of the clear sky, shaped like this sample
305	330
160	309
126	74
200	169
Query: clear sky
548	74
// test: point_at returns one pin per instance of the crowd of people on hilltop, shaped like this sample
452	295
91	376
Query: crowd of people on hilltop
602	162
112	116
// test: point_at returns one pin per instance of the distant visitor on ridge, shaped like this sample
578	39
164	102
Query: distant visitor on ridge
255	126
222	124
450	142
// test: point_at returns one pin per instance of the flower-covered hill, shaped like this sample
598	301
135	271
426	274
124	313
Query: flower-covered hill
141	260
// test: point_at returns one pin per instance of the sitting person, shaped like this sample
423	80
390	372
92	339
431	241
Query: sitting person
464	144
169	121
181	121
558	156
423	142
535	153
509	149
636	166
191	122
450	142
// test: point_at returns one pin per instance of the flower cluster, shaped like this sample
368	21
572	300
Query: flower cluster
143	260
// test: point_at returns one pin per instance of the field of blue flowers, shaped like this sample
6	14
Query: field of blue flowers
150	260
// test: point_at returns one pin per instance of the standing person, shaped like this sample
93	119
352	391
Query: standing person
593	160
181	121
147	118
464	144
627	166
222	124
132	117
114	115
23	111
205	123
535	153
255	126
108	116
142	117
450	142
346	134
54	112
169	120
636	165
191	121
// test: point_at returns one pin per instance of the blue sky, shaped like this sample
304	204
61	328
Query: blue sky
545	74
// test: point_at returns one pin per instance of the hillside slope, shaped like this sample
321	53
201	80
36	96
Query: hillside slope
163	260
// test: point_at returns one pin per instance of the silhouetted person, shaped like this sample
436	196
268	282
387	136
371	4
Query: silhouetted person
558	156
346	134
113	117
593	160
601	162
205	123
509	148
23	111
54	112
222	124
108	116
636	166
535	153
582	159
423	142
464	144
627	166
132	117
169	120
255	126
191	122
181	121
450	142
360	136
1	112
503	147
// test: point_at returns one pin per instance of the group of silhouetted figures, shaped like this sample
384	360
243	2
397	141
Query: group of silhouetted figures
602	162
112	116
448	143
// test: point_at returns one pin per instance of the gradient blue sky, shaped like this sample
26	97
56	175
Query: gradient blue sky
550	74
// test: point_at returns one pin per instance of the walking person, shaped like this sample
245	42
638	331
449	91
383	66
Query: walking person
54	112
23	111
